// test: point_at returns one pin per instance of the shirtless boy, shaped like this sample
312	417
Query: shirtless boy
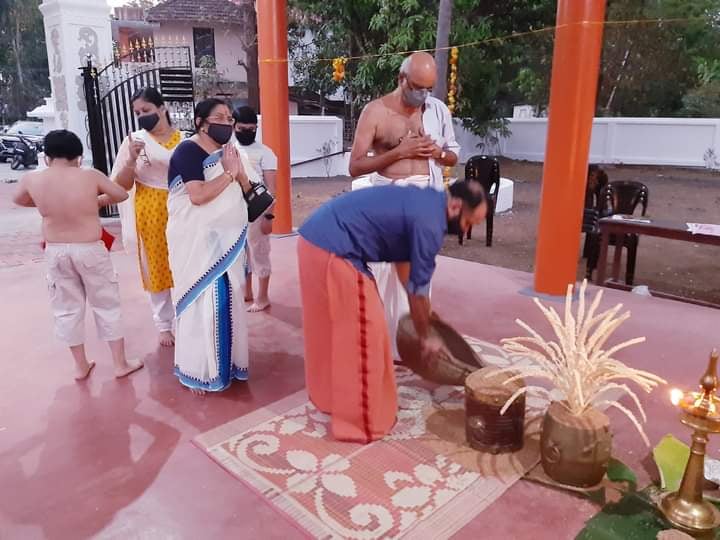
79	265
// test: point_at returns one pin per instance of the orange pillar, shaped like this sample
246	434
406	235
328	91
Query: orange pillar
573	90
274	107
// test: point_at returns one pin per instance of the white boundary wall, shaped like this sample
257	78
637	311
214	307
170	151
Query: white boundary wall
631	141
312	137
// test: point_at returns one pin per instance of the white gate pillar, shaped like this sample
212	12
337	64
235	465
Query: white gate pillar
74	30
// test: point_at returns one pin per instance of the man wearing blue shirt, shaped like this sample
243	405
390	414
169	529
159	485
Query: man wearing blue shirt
348	359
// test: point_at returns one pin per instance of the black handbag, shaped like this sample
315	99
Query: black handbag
258	200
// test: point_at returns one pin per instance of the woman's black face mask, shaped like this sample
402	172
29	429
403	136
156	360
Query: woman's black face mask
245	136
149	121
220	133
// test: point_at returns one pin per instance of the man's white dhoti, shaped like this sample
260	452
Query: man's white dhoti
391	290
77	274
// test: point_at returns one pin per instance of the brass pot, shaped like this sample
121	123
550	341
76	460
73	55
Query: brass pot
449	367
575	450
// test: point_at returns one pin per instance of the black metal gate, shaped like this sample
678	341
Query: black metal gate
108	92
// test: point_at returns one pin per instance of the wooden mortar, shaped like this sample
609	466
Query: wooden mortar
485	428
575	450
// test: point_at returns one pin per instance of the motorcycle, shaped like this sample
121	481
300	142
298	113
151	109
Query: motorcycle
25	154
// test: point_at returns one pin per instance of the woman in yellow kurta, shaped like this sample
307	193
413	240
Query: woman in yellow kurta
141	167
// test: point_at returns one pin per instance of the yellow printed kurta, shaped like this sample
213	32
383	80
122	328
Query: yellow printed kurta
151	220
151	217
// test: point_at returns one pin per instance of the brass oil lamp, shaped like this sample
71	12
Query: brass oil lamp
685	509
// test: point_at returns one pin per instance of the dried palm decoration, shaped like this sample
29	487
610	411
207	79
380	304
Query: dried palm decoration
576	365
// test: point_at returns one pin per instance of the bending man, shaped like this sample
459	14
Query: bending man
348	362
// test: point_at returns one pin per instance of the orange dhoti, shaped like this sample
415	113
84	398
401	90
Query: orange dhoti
348	359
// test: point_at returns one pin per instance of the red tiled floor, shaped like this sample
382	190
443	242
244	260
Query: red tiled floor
111	459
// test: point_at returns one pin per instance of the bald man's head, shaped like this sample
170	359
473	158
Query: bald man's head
417	78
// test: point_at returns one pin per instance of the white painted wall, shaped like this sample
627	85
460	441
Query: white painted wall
632	141
228	46
308	134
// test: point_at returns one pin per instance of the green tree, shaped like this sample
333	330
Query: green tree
702	102
320	30
648	68
249	41
517	68
442	41
323	30
23	56
379	27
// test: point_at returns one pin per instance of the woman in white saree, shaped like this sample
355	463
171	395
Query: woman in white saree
206	232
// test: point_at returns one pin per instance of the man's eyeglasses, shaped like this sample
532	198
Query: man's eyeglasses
219	119
416	87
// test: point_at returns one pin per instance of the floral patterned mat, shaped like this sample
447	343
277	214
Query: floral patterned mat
422	481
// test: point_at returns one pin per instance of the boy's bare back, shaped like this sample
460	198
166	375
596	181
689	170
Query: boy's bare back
67	199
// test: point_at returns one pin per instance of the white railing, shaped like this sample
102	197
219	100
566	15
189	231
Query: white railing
684	142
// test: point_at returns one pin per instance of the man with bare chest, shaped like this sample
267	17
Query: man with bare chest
408	132
404	138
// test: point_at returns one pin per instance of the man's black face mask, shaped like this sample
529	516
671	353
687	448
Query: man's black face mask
245	136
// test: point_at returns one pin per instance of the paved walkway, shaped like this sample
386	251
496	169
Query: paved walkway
19	227
113	459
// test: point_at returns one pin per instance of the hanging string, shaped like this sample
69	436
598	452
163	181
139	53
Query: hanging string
508	37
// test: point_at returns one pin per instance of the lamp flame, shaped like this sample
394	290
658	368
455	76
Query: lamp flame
708	404
676	396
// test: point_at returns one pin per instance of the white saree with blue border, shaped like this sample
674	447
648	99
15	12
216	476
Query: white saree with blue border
207	258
